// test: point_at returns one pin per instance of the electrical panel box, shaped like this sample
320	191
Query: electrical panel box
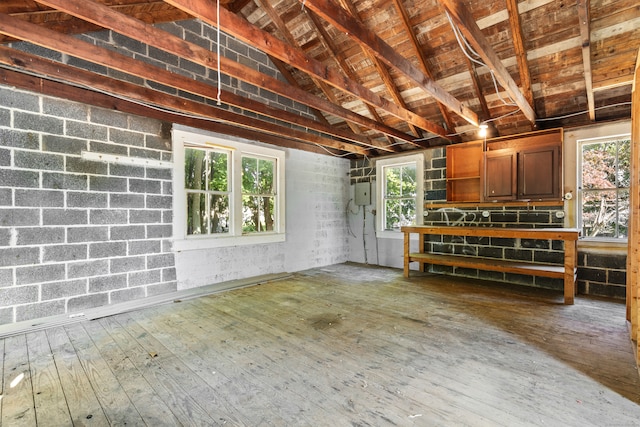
363	193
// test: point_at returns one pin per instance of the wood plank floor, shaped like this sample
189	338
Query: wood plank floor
345	345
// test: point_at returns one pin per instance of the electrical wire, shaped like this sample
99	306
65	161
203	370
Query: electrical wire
218	52
582	112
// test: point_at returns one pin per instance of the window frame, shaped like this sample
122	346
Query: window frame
381	165
187	137
580	143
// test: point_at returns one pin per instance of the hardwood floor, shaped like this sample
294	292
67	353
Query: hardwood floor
341	345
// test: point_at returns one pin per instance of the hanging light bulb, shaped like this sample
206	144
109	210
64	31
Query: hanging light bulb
482	132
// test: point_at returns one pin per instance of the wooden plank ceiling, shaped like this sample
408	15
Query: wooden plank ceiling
380	76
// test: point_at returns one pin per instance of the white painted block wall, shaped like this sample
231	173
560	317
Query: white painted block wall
317	193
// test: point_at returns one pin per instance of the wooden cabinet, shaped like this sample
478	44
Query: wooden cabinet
500	174
538	173
464	172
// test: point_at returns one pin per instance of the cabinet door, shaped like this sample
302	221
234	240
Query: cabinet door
538	173
500	175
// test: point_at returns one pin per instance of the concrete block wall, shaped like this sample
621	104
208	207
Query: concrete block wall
78	234
602	273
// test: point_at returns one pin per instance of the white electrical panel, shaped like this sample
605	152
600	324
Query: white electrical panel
363	193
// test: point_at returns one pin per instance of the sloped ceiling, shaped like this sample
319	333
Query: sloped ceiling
381	75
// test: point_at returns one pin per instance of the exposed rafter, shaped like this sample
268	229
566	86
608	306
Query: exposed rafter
264	41
342	20
521	52
125	25
585	37
469	28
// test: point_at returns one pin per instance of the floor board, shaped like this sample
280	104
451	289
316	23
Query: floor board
344	345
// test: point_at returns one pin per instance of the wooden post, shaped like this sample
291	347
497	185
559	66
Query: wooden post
633	255
406	253
570	263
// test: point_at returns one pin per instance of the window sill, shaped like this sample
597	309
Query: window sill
386	234
206	242
605	244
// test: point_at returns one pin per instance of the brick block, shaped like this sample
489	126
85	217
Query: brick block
162	288
38	123
534	217
108	216
19	100
6	315
490	252
592	274
18	295
168	274
109	118
145	186
10	217
87	200
159	173
5	236
40	236
39	273
107	283
19	139
64	217
6	277
600	260
139	247
67	109
617	277
77	165
128	232
160	261
108	148
63	289
126	170
122	265
167	217
125	137
5	117
609	291
144	216
87	269
39	198
87	234
159	231
163	57
548	257
519	279
129	201
107	183
107	249
159	202
146	277
6	197
39	310
124	295
494	276
518	254
155	142
146	125
548	283
85	302
18	256
5	157
61	253
19	178
508	217
65	145
145	154
534	243
64	181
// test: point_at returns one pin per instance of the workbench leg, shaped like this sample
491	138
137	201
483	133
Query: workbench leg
570	265
406	255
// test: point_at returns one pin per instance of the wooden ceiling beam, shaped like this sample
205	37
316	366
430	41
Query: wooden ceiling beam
467	25
71	46
102	15
520	51
585	38
242	29
282	28
130	91
382	70
422	59
333	50
339	18
86	96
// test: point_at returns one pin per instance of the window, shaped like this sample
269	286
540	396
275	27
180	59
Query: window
226	192
604	186
400	183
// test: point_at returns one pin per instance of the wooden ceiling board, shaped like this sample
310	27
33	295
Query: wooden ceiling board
550	34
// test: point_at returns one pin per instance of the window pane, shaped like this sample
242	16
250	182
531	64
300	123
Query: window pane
599	166
258	214
267	169
197	222
599	213
218	171
623	213
393	183
399	212
624	163
249	175
220	215
194	169
409	184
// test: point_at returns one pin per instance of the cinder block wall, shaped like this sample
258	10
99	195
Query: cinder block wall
78	234
600	272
